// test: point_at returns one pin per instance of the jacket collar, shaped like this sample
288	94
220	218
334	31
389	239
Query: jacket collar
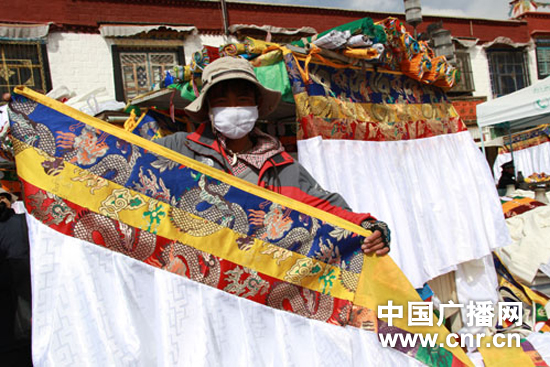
205	136
203	141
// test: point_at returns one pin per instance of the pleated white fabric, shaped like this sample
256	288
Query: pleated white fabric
476	280
95	307
530	160
541	342
437	195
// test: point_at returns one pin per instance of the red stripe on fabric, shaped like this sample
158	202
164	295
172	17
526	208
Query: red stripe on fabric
297	194
348	129
278	294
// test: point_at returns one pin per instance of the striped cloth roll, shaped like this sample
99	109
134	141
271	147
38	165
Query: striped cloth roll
232	49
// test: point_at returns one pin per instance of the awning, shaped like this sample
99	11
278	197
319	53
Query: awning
273	30
128	30
505	41
467	43
524	108
23	32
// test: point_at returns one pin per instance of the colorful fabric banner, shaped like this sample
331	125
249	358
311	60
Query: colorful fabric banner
95	182
355	104
100	308
527	139
396	148
518	205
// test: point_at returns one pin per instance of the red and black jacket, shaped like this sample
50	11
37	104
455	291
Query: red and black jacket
281	173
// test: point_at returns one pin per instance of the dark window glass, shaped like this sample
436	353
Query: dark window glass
24	63
508	71
466	80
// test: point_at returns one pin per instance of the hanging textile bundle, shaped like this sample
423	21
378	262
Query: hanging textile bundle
436	71
370	54
212	52
257	47
333	40
359	40
268	59
365	26
449	77
199	60
410	45
232	49
420	63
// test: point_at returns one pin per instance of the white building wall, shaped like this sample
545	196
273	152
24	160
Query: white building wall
82	62
532	64
194	43
480	70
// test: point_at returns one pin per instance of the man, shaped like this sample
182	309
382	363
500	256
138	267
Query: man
231	101
508	177
15	286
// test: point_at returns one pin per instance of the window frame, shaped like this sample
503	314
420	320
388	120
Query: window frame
42	55
117	50
491	53
542	44
469	86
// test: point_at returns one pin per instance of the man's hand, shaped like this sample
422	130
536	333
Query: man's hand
375	244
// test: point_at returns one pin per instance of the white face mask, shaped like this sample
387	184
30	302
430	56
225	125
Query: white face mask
234	122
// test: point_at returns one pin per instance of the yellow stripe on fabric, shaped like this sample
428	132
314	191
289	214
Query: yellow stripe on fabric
358	66
503	357
131	123
336	108
382	281
532	296
188	162
288	266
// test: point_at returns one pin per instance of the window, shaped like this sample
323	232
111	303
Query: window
508	70
543	57
24	63
466	81
139	69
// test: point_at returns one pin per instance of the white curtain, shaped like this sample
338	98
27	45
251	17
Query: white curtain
95	307
437	195
528	161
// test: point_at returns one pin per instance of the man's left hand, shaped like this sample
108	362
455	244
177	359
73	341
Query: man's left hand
374	244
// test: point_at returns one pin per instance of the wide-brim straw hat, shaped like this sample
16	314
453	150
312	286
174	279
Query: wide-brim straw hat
226	68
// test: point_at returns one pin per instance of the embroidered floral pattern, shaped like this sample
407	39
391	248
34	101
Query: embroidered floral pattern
303	268
94	182
89	146
251	285
119	200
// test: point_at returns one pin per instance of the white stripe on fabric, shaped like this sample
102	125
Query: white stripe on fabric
436	194
94	307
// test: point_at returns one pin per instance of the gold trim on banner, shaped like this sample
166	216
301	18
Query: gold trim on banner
335	108
188	162
218	240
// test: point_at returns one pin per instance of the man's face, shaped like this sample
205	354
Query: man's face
232	93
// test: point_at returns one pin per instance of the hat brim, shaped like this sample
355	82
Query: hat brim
198	109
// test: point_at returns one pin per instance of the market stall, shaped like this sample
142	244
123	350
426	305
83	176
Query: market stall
517	112
179	283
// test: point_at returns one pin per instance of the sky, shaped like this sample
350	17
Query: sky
492	9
